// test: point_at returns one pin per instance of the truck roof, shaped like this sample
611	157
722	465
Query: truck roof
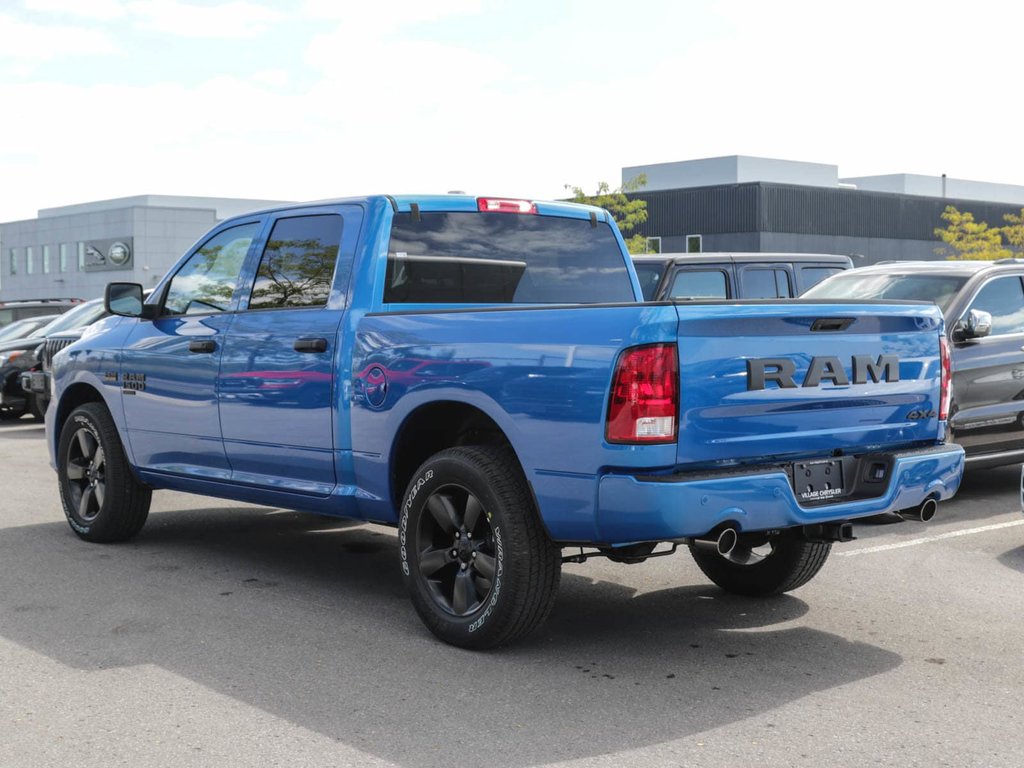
742	257
452	202
956	267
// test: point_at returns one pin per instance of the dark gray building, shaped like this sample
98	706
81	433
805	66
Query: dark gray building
755	204
75	250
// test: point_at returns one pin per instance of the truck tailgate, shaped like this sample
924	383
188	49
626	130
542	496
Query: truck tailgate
804	379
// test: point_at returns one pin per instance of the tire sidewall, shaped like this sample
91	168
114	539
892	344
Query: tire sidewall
487	621
79	419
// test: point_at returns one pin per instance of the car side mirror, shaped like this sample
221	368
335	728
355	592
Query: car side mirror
976	324
126	300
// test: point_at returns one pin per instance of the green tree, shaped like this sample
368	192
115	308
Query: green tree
627	213
968	239
1013	232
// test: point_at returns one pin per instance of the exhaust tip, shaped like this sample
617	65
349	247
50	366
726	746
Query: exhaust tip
727	541
927	510
923	513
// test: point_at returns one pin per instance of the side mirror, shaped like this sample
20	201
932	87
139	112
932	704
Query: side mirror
978	324
125	299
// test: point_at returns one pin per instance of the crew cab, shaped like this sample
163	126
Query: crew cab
481	374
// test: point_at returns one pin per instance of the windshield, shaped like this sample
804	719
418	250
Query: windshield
84	314
937	289
22	328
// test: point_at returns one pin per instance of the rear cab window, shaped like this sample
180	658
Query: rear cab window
469	257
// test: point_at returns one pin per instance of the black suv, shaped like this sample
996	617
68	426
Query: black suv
983	303
711	275
18	357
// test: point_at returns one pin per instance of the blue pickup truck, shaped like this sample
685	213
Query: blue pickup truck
482	374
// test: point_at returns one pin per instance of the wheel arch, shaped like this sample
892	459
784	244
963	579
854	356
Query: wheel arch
435	426
75	395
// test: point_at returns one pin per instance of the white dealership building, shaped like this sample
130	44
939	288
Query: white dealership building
73	251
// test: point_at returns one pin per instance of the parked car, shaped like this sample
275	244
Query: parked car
17	310
19	356
711	275
35	381
482	375
983	303
21	329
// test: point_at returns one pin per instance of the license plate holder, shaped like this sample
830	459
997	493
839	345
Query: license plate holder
818	482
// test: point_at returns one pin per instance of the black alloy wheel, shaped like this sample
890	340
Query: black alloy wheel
102	499
86	472
456	546
480	568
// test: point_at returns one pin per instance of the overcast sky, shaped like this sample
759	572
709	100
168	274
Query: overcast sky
307	100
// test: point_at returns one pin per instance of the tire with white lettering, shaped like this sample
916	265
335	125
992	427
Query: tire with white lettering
479	566
102	500
778	564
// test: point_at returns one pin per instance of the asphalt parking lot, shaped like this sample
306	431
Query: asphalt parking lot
231	634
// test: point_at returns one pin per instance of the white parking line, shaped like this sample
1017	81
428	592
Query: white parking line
929	539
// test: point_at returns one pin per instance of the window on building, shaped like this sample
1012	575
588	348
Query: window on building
653	245
206	282
297	266
693	244
1004	300
81	257
765	284
14	261
46	259
30	261
63	258
699	284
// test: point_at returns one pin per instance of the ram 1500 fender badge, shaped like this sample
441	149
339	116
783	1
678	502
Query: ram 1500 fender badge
761	370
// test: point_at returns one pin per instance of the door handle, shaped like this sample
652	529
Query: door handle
310	345
202	345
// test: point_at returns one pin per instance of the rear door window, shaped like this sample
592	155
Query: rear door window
649	276
699	284
761	283
502	258
297	265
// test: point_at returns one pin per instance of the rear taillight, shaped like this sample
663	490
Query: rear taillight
504	205
644	403
946	379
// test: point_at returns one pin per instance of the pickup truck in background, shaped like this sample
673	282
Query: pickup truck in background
481	374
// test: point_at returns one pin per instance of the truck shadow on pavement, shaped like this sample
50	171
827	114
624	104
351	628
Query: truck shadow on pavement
1014	559
307	619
